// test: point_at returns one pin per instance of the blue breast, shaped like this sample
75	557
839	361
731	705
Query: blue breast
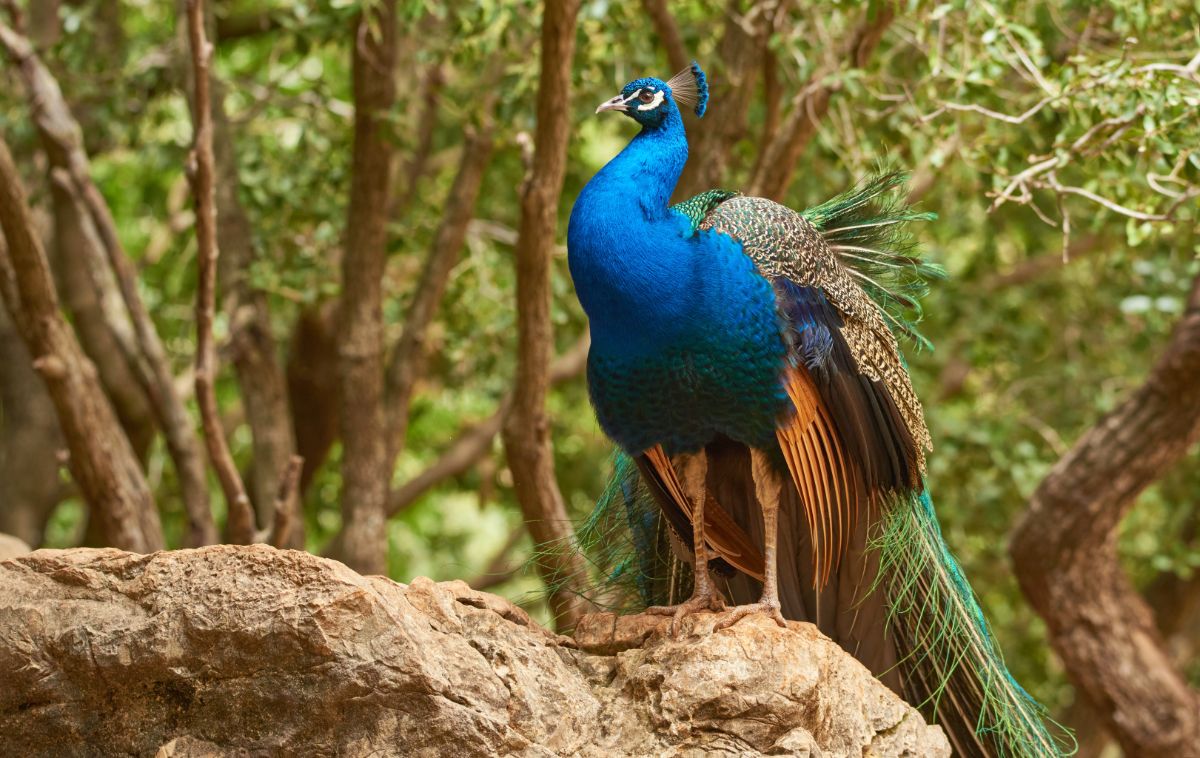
686	339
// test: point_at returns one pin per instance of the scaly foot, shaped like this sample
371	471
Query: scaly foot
700	601
742	611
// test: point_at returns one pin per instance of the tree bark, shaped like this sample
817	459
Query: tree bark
90	294
102	461
365	469
240	526
61	138
1064	552
313	386
780	157
527	429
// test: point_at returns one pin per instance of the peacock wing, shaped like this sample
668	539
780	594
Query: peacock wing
858	426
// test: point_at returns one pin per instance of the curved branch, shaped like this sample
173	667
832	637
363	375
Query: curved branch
780	156
1064	552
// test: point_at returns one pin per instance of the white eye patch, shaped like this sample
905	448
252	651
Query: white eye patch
657	101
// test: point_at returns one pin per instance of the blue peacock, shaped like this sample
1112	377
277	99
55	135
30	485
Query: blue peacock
745	360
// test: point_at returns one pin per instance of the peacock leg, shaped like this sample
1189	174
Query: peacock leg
693	471
767	488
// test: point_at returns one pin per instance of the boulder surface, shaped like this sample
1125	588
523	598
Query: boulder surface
250	650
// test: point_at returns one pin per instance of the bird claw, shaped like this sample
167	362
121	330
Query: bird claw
697	603
742	611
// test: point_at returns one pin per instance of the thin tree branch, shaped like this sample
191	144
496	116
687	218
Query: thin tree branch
240	526
499	570
474	443
102	461
415	167
253	349
410	356
713	138
668	33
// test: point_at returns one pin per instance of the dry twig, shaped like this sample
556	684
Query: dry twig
240	525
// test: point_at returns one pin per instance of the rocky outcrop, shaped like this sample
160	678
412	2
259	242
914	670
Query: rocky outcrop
256	651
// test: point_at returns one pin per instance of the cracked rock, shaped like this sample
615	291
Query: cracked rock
249	650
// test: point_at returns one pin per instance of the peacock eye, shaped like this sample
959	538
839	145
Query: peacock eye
646	96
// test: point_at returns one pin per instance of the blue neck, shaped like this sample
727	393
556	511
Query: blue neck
650	164
627	252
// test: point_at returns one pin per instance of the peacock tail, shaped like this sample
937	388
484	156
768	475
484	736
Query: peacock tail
953	668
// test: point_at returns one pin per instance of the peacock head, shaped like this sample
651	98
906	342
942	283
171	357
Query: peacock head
649	101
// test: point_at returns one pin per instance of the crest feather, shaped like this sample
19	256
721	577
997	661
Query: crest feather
690	87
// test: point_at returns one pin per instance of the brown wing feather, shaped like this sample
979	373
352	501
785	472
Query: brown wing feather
721	533
826	479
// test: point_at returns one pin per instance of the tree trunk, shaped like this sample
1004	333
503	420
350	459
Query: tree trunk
1064	552
527	428
102	461
365	469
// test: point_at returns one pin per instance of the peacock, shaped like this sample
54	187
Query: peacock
745	360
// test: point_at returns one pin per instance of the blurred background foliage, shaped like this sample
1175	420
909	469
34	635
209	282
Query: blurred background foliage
1037	332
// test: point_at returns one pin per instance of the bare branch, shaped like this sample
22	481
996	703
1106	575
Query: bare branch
499	570
62	139
102	461
415	167
475	442
409	358
739	54
782	154
202	172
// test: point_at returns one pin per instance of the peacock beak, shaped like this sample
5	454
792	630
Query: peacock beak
618	103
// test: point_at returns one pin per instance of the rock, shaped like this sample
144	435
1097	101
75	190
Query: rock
256	651
11	547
